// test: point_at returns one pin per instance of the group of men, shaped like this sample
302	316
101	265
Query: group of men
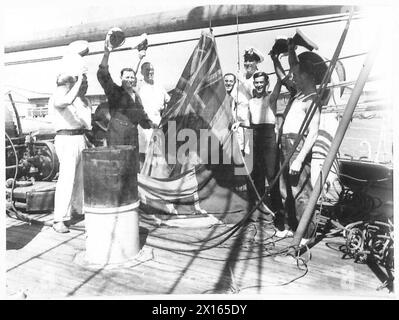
134	104
129	105
255	110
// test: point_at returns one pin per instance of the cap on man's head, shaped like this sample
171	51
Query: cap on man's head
312	64
64	78
253	55
72	64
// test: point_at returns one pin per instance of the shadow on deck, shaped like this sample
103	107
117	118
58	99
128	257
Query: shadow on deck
182	261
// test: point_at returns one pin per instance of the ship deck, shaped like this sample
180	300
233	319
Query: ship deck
47	265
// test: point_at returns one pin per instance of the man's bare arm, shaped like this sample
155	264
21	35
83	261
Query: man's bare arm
274	95
280	73
62	100
103	75
292	57
141	55
104	60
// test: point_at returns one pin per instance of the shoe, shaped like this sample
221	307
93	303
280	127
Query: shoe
266	217
284	233
304	242
74	220
60	227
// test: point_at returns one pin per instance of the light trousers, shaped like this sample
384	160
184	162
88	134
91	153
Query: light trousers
295	189
69	188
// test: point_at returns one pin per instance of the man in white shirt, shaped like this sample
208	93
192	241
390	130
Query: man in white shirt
154	98
262	110
71	117
240	110
242	93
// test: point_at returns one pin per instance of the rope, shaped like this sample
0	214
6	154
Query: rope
28	90
371	239
340	58
238	63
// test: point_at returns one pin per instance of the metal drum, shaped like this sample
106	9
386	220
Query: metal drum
110	204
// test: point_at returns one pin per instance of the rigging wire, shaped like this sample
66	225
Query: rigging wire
238	61
346	83
24	89
255	30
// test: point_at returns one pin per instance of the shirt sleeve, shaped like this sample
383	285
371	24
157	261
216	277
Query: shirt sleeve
105	80
243	110
138	115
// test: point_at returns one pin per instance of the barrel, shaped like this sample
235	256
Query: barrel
110	204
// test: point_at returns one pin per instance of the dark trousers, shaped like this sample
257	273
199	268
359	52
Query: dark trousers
122	132
295	189
264	166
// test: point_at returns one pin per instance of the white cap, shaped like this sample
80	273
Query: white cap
72	64
251	51
138	41
80	47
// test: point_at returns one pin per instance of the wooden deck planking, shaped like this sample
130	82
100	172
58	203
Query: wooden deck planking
179	262
51	259
241	268
146	278
49	269
272	266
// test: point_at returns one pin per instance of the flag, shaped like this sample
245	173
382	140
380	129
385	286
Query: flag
191	161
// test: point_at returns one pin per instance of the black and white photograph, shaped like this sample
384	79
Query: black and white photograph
199	150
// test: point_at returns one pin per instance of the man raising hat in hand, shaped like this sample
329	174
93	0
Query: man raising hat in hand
125	106
308	70
71	114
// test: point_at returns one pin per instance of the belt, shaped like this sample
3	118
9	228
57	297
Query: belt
71	132
122	122
262	125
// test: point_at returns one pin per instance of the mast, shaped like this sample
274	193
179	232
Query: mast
179	20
